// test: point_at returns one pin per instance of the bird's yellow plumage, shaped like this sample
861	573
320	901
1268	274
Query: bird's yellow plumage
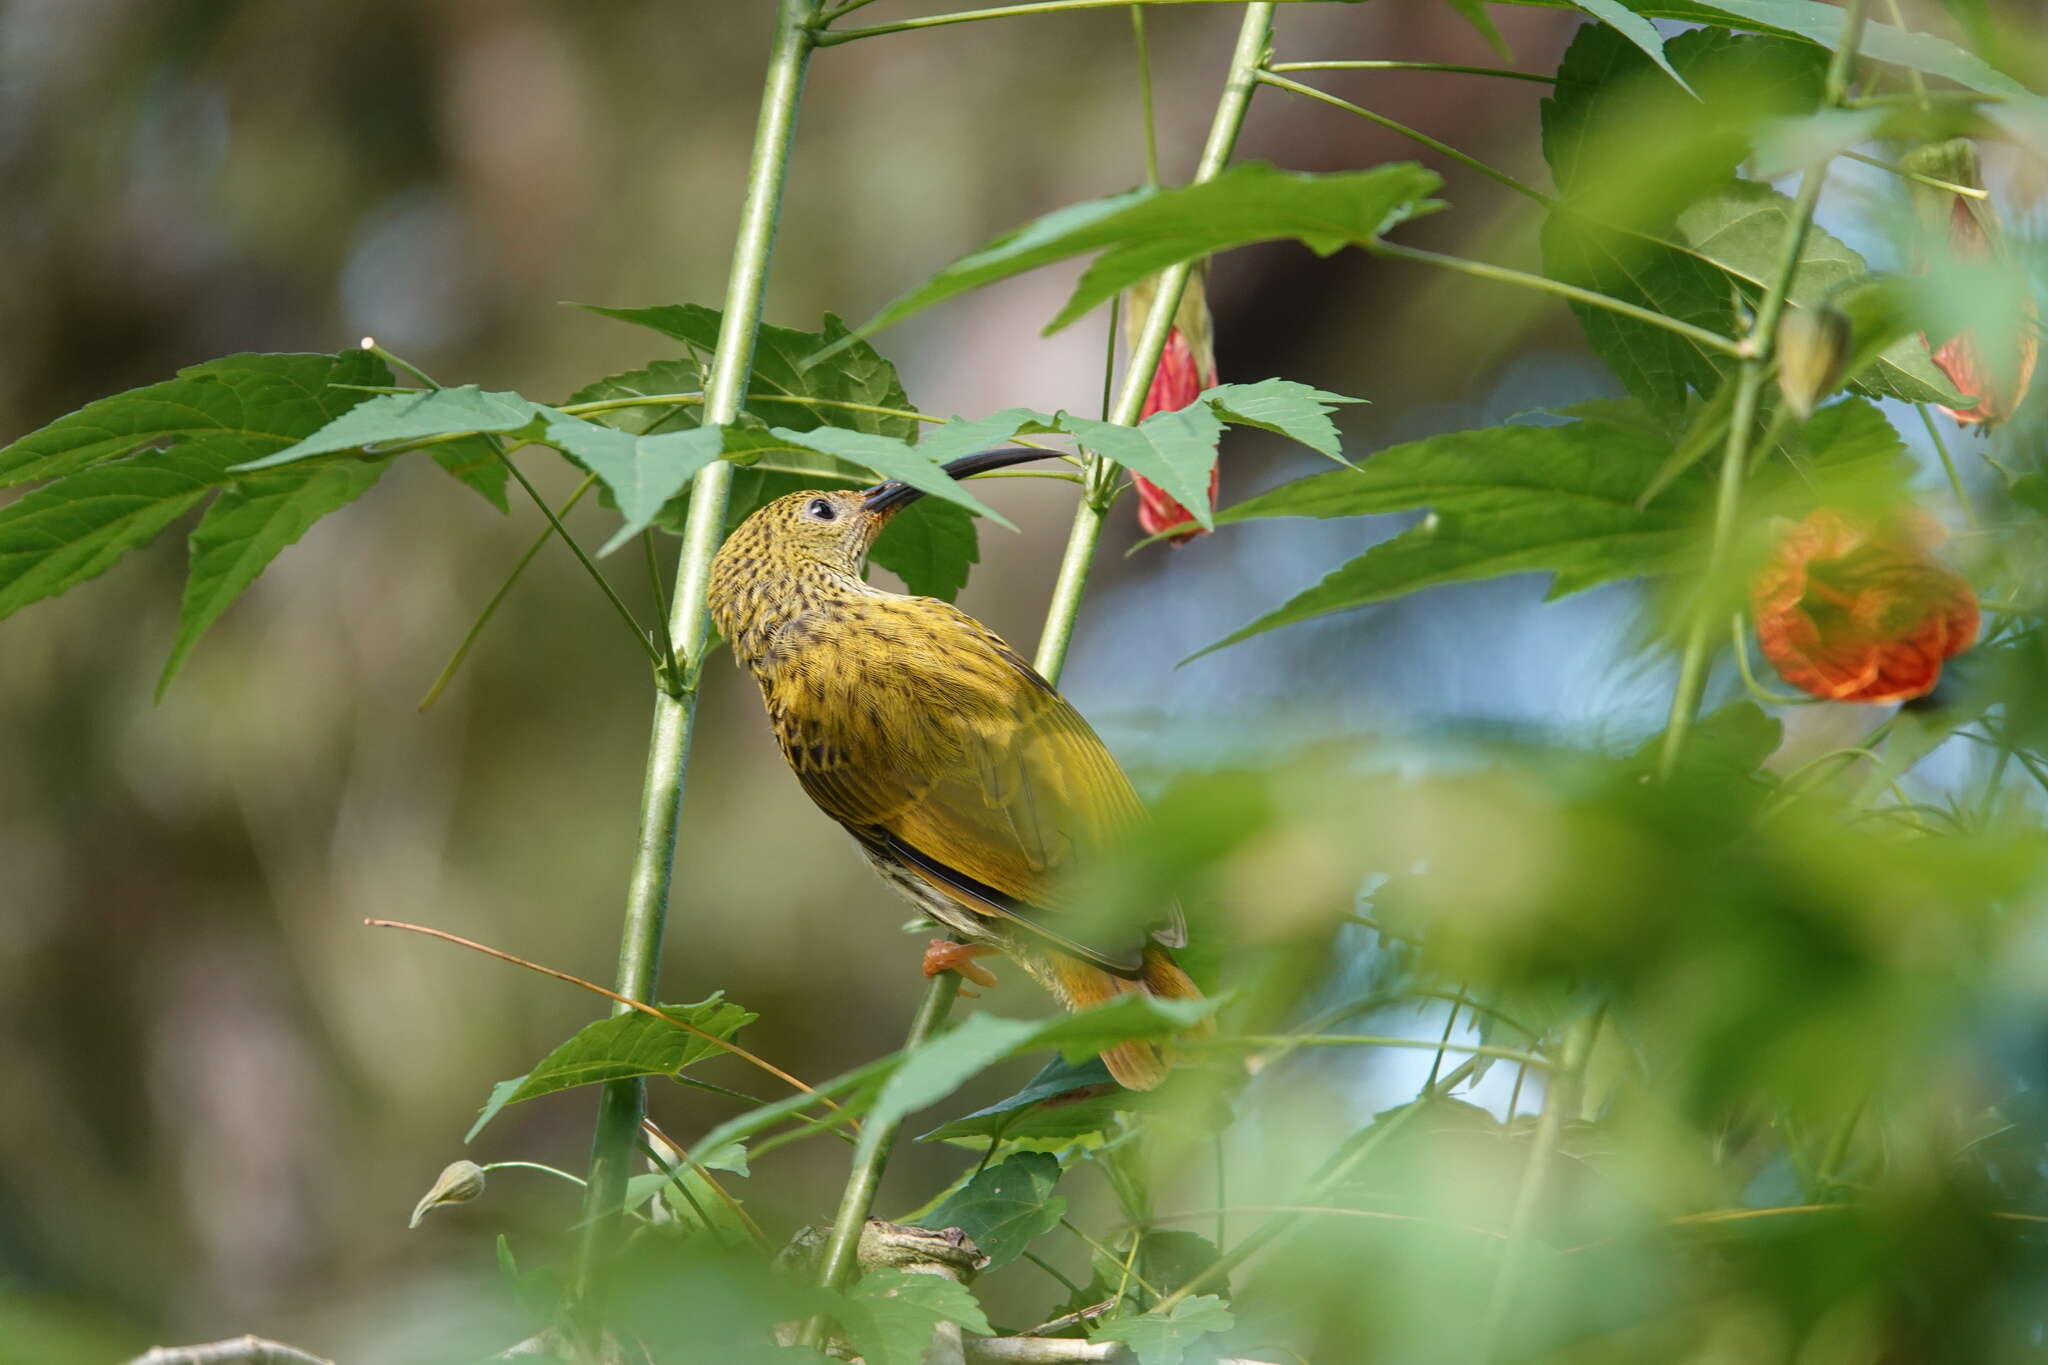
967	780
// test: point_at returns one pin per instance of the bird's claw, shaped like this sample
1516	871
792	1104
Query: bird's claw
944	955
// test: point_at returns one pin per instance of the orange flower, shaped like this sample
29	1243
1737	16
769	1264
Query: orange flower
1855	609
1186	367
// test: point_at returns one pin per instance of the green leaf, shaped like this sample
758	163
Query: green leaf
1506	499
622	1046
1740	228
1175	450
642	472
1296	411
1616	229
930	546
246	528
661	377
960	436
231	409
396	419
1129	1017
1822	24
476	463
1474	13
1141	232
890	1315
212	416
1004	1207
59	536
690	1196
892	459
936	1069
1734	741
789	365
1655	364
1164	1338
1567	499
1066	1099
1636	29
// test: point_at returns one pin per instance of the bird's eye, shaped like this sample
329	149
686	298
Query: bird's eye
818	509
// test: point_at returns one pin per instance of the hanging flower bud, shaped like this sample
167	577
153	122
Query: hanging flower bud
1967	229
1813	348
458	1183
1186	367
1857	609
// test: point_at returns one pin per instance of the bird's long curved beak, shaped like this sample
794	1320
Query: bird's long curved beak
895	494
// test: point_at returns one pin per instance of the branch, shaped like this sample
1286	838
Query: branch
245	1350
675	711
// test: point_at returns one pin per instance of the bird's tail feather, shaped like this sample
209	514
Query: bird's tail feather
1136	1065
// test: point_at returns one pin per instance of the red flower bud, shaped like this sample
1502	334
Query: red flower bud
1996	394
1969	227
1856	609
1187	366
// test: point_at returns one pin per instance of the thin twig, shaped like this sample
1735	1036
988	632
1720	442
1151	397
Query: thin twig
1699	336
1535	76
1267	77
248	1350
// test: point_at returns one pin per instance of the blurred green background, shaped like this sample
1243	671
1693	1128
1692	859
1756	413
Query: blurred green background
221	1092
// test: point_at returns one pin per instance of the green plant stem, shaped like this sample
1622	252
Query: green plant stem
611	594
1966	191
1501	274
623	1102
532	1166
877	1140
1254	37
872	1154
1049	1268
1749	683
476	629
1559	1099
673	667
1756	353
1473	163
1414	66
1948	465
1144	103
829	38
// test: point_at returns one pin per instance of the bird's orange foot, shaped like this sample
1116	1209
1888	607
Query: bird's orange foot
944	955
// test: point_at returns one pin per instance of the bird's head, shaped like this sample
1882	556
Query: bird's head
835	528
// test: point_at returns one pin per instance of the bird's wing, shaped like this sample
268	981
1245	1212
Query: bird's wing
969	768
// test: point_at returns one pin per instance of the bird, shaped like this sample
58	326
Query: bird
968	782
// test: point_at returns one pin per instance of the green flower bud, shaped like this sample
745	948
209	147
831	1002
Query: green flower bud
458	1183
1813	346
